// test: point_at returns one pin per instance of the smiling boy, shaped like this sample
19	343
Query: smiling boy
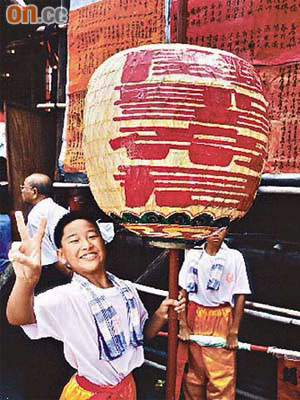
99	318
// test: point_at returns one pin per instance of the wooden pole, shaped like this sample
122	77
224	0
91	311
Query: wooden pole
173	324
182	21
174	253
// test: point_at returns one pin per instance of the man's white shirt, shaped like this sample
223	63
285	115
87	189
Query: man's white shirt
53	212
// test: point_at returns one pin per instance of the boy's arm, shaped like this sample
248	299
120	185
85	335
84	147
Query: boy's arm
26	260
20	304
154	324
238	310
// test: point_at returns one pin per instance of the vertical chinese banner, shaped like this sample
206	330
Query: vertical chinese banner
265	33
97	30
282	91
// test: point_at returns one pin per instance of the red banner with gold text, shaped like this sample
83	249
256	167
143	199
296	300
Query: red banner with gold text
260	31
282	86
96	31
266	33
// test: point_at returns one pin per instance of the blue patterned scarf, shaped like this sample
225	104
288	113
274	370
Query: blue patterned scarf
192	280
111	338
215	274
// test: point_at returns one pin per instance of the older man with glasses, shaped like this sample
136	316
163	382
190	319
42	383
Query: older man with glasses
36	191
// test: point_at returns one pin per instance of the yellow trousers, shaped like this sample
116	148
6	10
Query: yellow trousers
211	372
79	388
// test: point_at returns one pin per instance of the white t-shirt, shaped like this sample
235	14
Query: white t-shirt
52	212
234	279
63	314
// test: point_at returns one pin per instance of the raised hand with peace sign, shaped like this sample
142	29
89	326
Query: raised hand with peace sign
26	260
26	255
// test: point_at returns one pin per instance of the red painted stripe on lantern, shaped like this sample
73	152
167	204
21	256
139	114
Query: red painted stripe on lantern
197	180
183	135
196	171
187	199
193	136
142	91
163	86
141	180
210	187
226	67
201	151
159	104
230	108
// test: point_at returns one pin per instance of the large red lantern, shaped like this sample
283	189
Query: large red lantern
175	139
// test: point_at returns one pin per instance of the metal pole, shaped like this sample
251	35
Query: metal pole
61	85
279	190
173	324
155	265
